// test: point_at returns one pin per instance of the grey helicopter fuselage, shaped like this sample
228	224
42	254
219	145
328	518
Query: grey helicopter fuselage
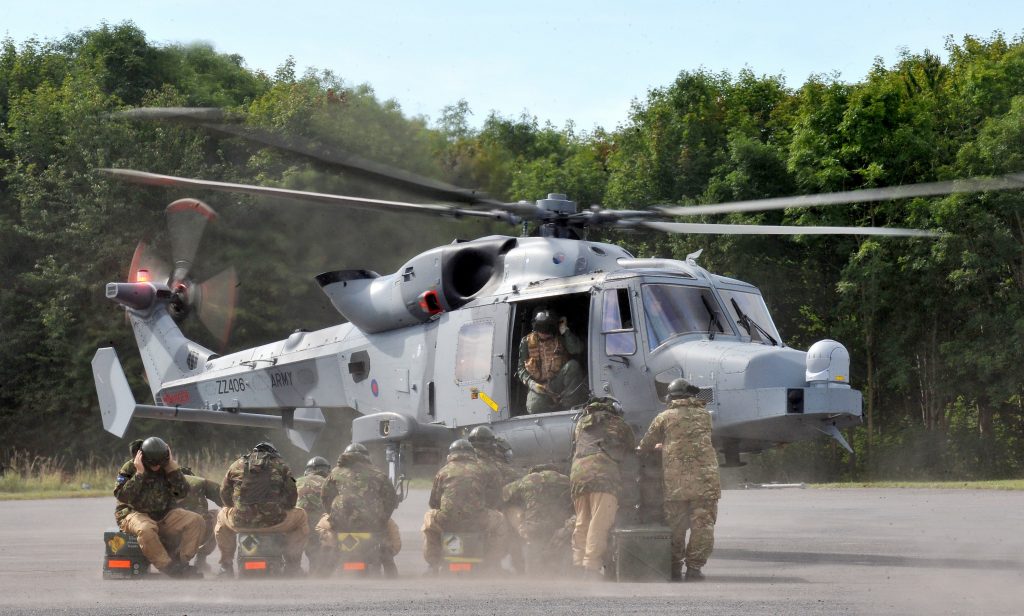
433	348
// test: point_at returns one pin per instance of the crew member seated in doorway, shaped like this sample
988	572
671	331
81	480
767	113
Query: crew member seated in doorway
548	365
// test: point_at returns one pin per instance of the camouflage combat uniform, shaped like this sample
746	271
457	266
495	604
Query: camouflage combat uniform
550	361
359	498
268	506
458	502
543	497
308	488
200	492
502	473
601	441
691	483
146	509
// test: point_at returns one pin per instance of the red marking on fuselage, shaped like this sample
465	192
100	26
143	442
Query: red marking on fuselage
176	398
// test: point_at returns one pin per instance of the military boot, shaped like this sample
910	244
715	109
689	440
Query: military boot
694	575
432	571
677	572
390	568
227	571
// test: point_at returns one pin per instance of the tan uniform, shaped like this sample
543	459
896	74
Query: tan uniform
691	481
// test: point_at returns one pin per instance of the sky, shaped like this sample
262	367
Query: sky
579	60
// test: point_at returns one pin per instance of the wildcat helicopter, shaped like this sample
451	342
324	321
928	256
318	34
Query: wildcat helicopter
433	348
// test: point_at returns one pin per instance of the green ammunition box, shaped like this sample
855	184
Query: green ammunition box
642	554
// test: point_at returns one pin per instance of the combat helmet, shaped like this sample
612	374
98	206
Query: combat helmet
154	451
461	446
266	446
603	403
481	435
355	452
679	389
545	322
318	466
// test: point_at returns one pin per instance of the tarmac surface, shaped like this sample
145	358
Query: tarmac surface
778	551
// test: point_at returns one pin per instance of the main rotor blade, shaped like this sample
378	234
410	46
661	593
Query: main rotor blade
1009	181
330	156
216	306
373	205
186	220
686	227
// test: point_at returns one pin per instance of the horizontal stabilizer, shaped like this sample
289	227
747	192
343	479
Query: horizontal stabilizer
118	407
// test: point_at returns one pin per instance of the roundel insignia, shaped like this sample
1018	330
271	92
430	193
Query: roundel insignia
558	258
374	388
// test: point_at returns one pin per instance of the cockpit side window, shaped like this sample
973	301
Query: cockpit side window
750	311
617	323
674	310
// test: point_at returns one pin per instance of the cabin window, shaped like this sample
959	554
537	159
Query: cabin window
473	352
617	323
674	310
755	310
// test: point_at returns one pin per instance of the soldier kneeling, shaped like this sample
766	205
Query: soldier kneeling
458	503
360	499
259	495
147	490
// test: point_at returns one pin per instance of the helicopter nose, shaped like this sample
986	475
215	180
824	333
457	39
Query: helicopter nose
828	365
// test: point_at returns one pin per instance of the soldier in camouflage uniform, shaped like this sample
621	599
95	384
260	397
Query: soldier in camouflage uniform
259	495
690	470
601	442
458	502
308	488
492	455
548	365
360	498
543	497
200	492
147	488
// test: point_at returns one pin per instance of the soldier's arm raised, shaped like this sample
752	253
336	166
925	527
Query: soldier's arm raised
125	477
655	434
328	492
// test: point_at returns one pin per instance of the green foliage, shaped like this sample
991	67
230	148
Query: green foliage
935	327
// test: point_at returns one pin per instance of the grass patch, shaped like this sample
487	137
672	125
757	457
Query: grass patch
997	484
27	477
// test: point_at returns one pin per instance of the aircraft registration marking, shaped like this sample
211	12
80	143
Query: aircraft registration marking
230	386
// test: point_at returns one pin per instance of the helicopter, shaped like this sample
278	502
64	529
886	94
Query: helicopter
432	349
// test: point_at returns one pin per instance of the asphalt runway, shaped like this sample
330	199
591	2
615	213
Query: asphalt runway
778	551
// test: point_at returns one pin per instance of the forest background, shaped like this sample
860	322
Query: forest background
935	327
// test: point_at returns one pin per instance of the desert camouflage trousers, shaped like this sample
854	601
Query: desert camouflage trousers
179	527
494	529
697	516
294	526
595	516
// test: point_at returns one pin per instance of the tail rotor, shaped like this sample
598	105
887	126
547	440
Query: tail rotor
213	300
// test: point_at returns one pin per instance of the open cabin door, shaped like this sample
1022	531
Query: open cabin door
472	363
617	356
